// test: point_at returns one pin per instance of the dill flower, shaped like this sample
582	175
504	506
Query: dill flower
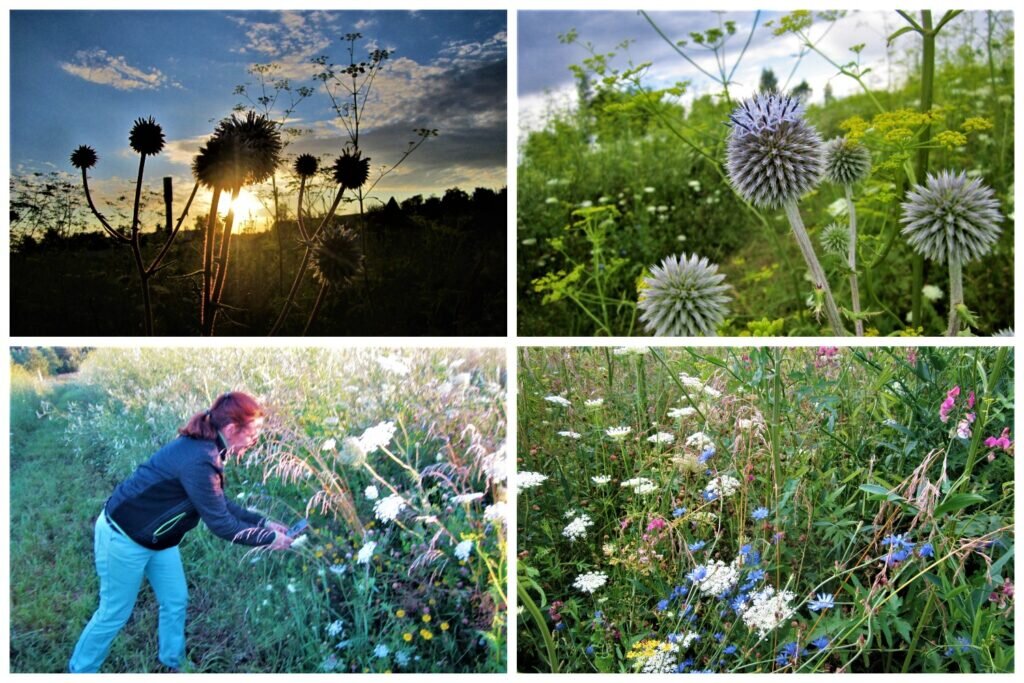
773	156
951	217
529	480
590	582
846	162
683	297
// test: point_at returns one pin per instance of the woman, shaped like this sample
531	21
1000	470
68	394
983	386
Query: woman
148	514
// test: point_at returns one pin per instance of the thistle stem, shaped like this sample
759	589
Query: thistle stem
852	263
211	222
316	308
956	294
817	273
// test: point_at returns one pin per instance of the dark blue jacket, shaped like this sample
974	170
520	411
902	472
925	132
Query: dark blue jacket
168	494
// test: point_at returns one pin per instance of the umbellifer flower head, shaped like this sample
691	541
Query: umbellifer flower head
84	157
773	156
846	162
147	137
836	239
683	297
951	216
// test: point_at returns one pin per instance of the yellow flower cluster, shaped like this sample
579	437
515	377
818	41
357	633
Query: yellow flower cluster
950	139
646	648
976	123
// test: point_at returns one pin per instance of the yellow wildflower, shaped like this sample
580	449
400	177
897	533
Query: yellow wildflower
950	139
400	613
425	634
407	637
444	626
426	618
976	123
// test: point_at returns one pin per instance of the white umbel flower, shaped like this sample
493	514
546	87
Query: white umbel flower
558	400
590	582
593	403
388	509
529	480
463	549
371	492
767	609
723	486
571	435
640	485
661	437
699	440
719	579
366	553
618	433
601	479
681	413
577	528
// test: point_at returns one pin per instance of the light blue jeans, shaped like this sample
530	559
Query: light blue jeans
121	563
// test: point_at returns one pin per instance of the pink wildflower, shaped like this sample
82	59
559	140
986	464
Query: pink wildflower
947	406
970	400
1002	441
656	524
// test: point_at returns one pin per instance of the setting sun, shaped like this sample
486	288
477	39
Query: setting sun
247	206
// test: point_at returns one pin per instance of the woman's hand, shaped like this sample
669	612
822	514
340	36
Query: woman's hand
276	527
281	541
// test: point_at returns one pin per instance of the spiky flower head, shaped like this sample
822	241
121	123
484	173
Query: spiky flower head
240	152
683	297
84	157
846	162
337	257
147	137
306	165
951	216
773	156
351	171
835	238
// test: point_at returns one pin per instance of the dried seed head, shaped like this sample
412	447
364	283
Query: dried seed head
846	162
835	238
84	157
306	165
683	297
147	137
240	152
773	156
951	216
351	171
337	257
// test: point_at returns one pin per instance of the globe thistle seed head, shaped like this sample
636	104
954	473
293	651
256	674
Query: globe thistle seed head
683	297
337	257
835	238
351	171
146	137
306	165
84	157
951	216
240	152
846	162
773	156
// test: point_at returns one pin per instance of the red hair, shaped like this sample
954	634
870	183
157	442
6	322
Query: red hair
233	407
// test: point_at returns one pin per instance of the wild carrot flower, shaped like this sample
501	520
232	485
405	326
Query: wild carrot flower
590	582
577	528
371	492
558	400
593	403
601	479
529	480
768	609
388	509
463	549
366	552
724	486
661	437
618	433
570	434
640	485
680	413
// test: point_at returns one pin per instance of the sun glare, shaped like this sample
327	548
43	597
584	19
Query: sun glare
247	207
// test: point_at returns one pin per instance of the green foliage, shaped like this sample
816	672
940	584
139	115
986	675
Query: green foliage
844	450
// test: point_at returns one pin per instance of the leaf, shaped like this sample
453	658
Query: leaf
957	502
897	34
876	490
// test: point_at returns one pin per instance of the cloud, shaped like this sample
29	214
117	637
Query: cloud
292	41
364	24
97	66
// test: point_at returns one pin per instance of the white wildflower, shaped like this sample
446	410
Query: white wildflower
640	485
388	509
381	651
723	486
661	437
466	498
680	413
371	492
335	628
628	350
366	552
463	549
744	424
662	661
377	436
558	400
337	569
767	610
299	542
496	512
593	403
590	582
571	435
618	433
393	364
292	588
328	445
601	479
719	578
528	480
931	292
577	528
699	440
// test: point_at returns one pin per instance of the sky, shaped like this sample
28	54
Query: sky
83	77
543	66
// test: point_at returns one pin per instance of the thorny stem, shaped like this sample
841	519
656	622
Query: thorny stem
170	238
103	221
222	269
817	273
211	222
137	250
956	294
852	263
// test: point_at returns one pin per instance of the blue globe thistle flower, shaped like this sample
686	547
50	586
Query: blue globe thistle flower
773	156
835	239
760	513
822	601
846	162
683	297
951	217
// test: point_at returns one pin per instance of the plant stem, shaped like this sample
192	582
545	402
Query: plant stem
137	251
211	222
316	309
852	262
222	271
956	294
817	273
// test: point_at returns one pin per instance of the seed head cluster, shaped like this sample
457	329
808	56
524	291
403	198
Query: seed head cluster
773	156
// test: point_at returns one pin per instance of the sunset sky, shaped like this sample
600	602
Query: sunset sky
83	77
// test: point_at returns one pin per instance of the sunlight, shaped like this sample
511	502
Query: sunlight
246	207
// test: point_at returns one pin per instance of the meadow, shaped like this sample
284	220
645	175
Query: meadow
640	175
766	510
414	585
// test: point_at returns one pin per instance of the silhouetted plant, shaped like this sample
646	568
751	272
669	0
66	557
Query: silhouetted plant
146	139
240	152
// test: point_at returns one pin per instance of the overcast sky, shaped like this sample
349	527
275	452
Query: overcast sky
83	77
545	80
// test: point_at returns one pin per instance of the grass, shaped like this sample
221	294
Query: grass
841	453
